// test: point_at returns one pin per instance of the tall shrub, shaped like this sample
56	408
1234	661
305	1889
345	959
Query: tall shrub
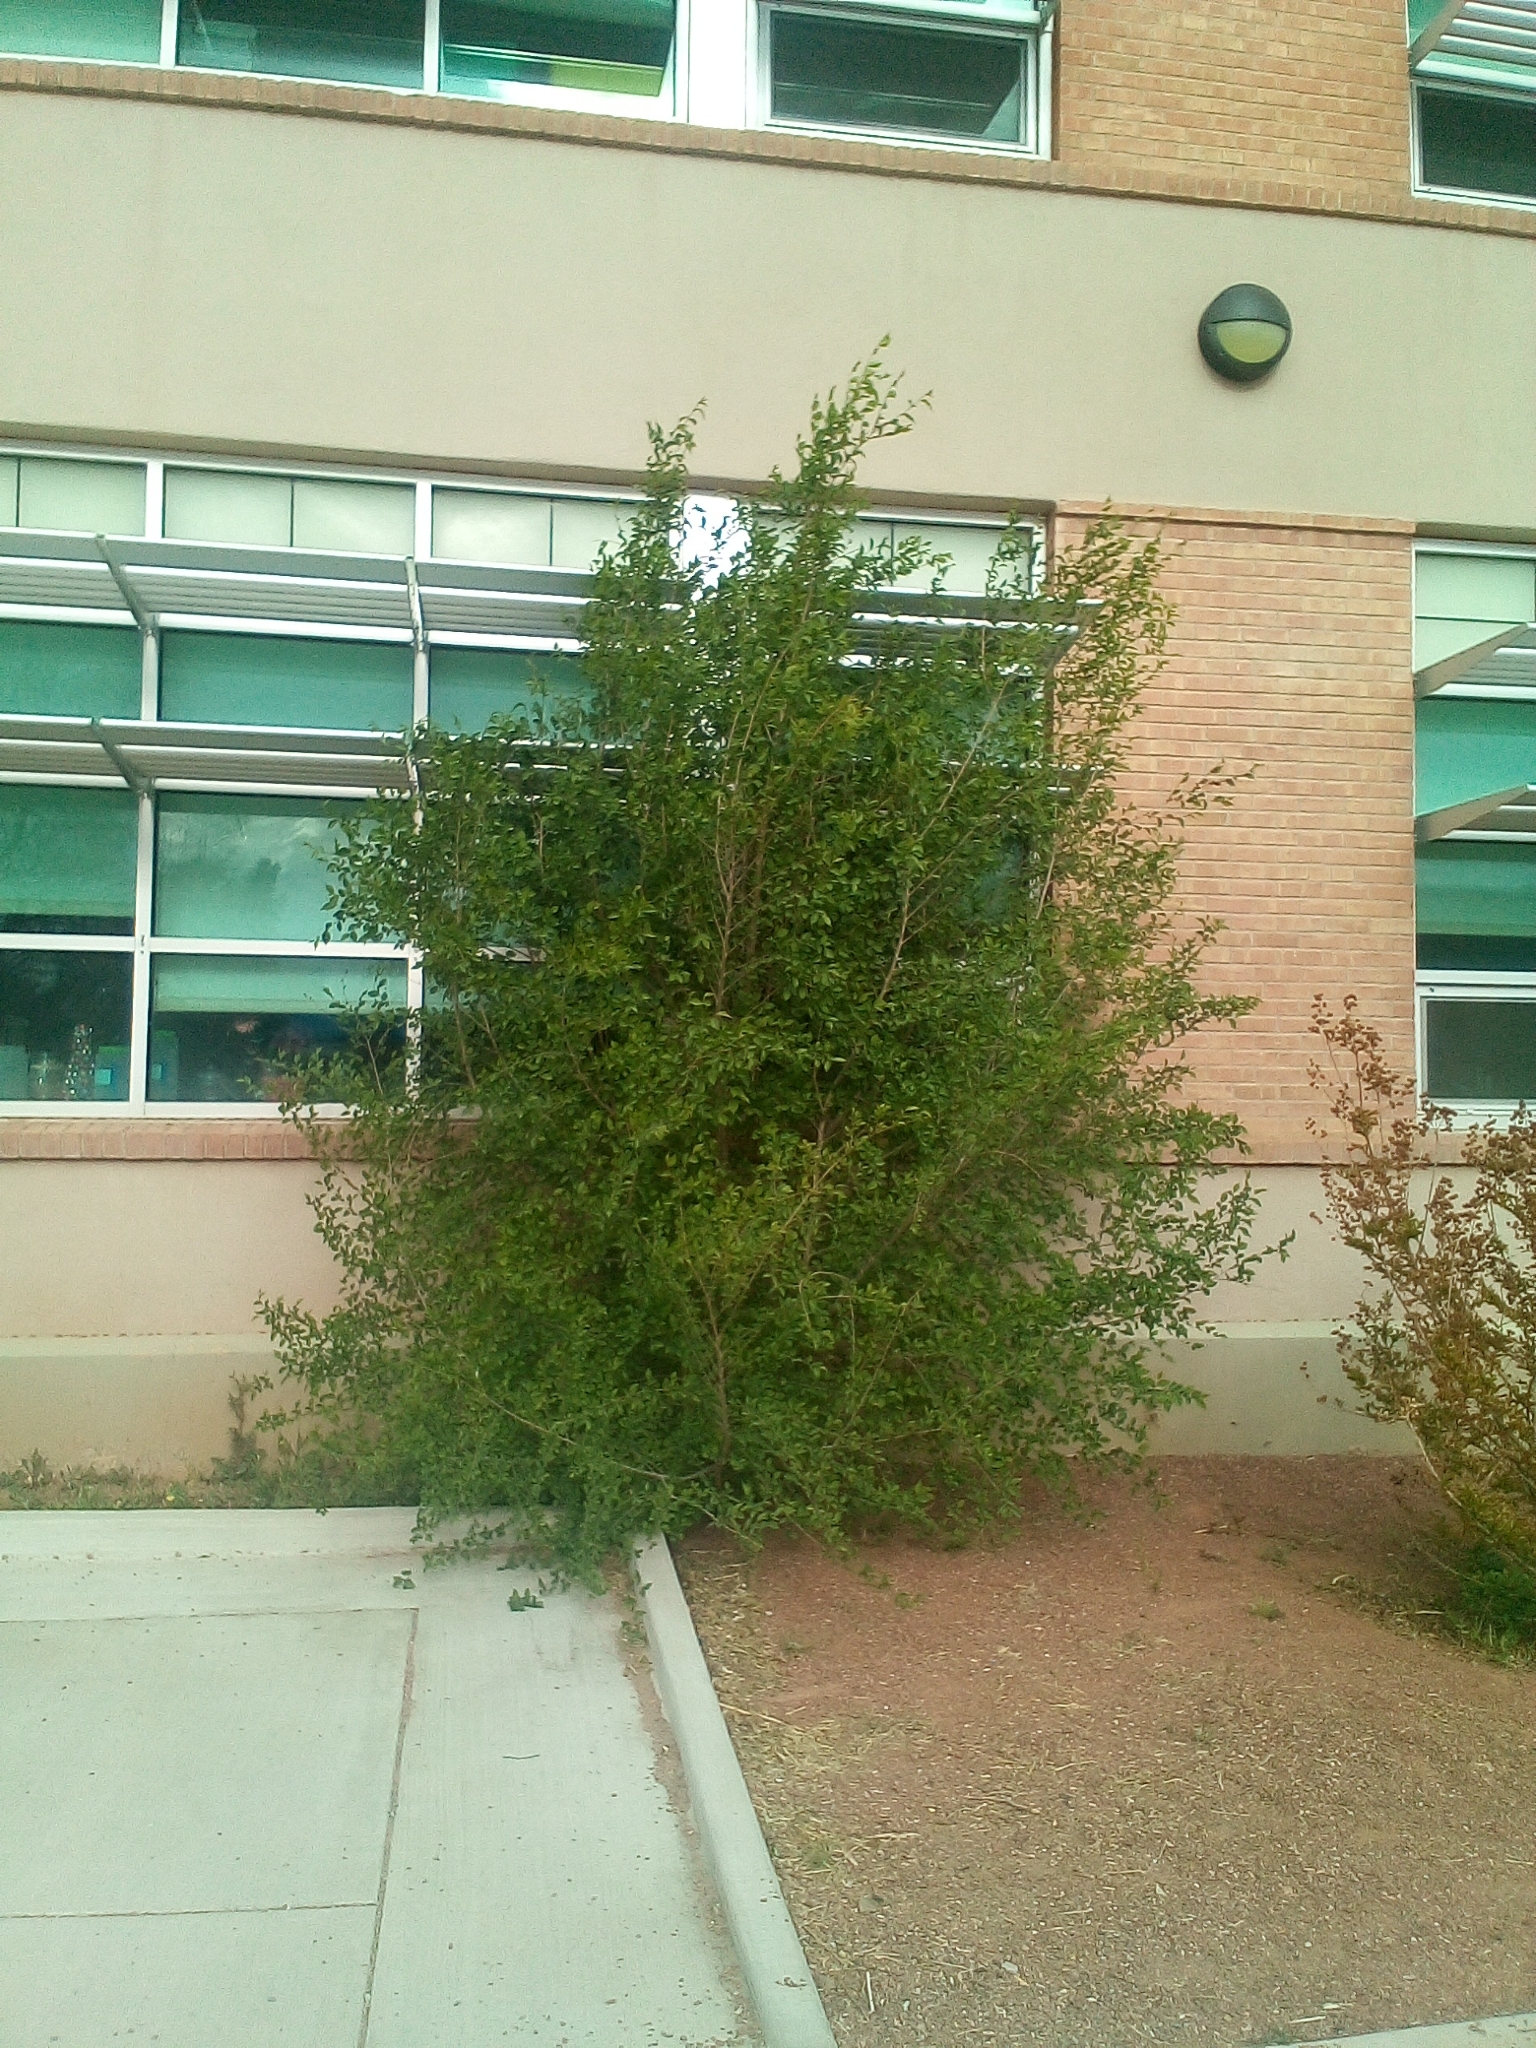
798	1130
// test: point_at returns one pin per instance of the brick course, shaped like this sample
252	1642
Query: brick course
1290	653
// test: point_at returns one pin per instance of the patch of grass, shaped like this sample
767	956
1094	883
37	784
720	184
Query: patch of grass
303	1478
1492	1605
1266	1610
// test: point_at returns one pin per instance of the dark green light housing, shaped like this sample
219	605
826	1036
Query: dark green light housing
1244	332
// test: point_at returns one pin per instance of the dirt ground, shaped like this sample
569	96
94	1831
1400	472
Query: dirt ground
1194	1773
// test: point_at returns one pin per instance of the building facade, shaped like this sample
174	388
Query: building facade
330	336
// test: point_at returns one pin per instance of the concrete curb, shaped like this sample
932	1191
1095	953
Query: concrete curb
1509	2030
779	1982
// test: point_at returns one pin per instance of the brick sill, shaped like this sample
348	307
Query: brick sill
1131	180
151	1138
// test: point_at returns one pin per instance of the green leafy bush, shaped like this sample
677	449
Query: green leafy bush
797	1132
1447	1344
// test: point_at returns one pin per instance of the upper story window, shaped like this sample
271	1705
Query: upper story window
1474	66
961	73
964	70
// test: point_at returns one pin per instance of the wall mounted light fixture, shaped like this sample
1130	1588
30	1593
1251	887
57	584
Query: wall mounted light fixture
1244	332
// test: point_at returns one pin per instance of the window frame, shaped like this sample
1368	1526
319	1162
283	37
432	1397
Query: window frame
1455	194
1035	50
1468	985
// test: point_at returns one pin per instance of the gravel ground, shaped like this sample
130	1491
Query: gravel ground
1196	1772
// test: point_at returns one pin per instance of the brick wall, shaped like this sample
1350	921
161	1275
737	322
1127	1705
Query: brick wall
1317	93
1290	652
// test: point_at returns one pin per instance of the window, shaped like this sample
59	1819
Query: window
1475	774
251	679
1477	143
371	42
71	497
965	73
111	31
472	685
926	73
1475	97
284	511
176	760
492	49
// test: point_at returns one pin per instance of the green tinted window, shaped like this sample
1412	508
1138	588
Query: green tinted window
585	45
70	671
1477	906
251	679
1480	1051
113	31
1470	747
1473	142
370	42
472	685
231	867
67	859
852	74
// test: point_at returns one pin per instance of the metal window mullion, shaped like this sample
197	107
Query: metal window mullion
143	914
432	46
64	942
1043	70
154	498
168	25
274	949
149	677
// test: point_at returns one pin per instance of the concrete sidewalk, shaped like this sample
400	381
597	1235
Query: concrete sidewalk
255	1790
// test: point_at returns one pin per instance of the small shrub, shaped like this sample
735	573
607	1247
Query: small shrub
1447	1342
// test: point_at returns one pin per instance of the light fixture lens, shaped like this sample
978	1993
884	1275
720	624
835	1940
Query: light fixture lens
1252	341
1244	332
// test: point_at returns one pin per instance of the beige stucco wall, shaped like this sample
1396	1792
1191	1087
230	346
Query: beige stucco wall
127	1296
315	284
134	1248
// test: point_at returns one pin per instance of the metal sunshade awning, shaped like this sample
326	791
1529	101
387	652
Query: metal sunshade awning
117	753
155	583
1503	814
1504	661
1482	42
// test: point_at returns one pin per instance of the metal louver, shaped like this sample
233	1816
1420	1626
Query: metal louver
1482	42
1505	661
1503	814
156	583
114	753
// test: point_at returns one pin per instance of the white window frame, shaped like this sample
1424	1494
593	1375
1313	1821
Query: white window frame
1452	194
1035	54
1464	986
